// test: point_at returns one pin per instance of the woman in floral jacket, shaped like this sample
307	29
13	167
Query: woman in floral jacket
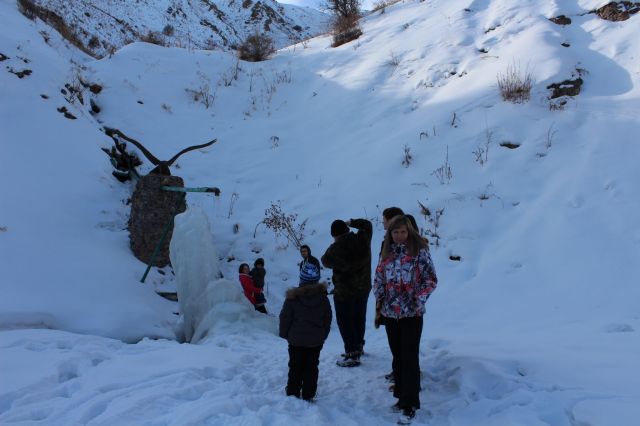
404	280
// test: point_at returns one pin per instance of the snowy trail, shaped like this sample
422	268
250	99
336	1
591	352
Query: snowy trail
240	379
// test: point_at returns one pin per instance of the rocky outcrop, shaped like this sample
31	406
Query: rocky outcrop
151	210
101	27
617	11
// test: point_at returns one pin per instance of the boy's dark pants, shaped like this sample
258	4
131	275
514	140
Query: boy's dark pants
404	341
303	371
351	315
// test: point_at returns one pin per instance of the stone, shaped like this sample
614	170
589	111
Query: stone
151	210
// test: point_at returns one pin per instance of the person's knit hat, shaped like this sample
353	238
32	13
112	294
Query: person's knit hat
339	227
309	273
259	261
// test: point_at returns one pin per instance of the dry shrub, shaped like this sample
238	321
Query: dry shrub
284	225
514	86
257	47
153	37
168	30
345	29
94	42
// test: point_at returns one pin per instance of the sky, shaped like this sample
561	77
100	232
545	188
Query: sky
530	220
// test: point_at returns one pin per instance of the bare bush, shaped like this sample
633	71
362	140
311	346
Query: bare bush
234	197
168	30
345	26
407	158
283	225
515	86
434	221
394	60
94	42
482	150
257	47
345	29
443	173
344	8
153	37
202	95
275	141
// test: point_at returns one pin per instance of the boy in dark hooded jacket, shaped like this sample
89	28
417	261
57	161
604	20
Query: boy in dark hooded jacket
305	321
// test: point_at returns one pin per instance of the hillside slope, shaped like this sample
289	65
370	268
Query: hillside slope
105	26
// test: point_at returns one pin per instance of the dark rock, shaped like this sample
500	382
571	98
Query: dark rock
95	109
617	11
151	210
95	88
566	88
20	74
67	114
561	20
565	44
509	145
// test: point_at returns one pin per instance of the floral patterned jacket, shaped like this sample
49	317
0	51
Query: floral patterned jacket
403	283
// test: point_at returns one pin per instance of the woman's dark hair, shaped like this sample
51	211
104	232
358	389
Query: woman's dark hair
391	212
413	222
242	266
414	242
415	226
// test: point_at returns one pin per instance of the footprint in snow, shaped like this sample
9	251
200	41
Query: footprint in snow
619	328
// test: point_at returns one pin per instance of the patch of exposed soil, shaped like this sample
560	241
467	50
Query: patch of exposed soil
617	11
566	88
561	20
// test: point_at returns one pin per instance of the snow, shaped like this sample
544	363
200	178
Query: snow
208	303
537	324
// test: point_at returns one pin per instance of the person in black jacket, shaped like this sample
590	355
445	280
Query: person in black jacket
257	275
309	267
350	258
305	321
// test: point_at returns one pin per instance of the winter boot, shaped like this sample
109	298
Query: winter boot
407	416
351	360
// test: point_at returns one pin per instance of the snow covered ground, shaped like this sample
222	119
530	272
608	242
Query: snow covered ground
536	324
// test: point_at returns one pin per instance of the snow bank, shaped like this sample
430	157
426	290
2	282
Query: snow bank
206	301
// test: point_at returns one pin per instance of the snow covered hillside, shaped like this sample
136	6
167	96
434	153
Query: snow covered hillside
104	26
531	217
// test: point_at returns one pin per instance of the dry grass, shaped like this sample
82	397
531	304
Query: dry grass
515	85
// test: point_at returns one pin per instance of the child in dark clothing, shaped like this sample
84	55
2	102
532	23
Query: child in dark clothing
257	275
251	292
305	321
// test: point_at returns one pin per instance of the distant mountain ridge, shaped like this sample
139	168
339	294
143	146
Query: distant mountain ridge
103	26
